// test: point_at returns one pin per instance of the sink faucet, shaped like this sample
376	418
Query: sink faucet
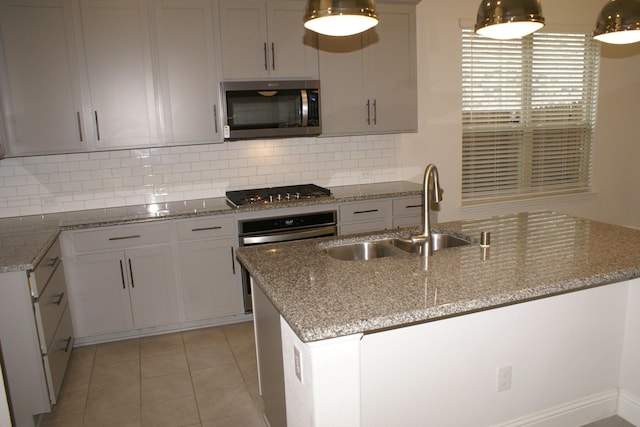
431	192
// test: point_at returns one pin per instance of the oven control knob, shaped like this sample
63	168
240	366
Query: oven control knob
288	196
270	198
297	195
279	197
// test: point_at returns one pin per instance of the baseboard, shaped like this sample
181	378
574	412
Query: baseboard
577	413
157	330
629	407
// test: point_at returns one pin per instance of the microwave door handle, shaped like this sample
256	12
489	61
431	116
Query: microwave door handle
305	108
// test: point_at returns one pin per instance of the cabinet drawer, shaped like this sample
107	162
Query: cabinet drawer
364	211
39	278
56	360
49	307
407	206
363	227
206	228
123	237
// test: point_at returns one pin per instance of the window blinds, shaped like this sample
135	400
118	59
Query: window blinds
528	115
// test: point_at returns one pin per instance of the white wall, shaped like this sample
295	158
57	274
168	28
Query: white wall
616	175
565	353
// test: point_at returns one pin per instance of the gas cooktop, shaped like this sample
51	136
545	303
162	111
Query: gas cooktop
268	195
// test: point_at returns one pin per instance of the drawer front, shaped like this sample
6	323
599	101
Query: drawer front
123	237
207	228
40	276
365	211
407	206
363	227
407	221
57	359
49	307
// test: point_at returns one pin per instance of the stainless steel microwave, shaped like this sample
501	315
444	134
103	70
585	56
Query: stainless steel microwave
271	109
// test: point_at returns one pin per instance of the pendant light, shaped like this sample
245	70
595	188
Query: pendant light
619	22
508	19
340	17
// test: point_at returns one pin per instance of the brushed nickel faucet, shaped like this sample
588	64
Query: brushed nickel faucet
431	193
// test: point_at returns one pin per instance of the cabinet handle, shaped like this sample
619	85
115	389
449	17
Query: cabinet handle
122	275
412	206
133	284
217	227
79	126
364	212
273	56
95	115
66	347
265	56
233	264
368	112
60	298
215	118
133	236
375	112
54	261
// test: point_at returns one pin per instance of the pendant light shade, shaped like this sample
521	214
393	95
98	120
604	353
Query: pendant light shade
509	19
619	22
340	17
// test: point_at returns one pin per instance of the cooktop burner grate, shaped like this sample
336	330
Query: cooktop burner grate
267	195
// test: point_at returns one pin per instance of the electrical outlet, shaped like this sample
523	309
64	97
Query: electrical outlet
297	362
504	378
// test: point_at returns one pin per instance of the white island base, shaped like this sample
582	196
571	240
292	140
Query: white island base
574	359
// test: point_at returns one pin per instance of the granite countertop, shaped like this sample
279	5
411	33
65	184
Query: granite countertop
25	240
532	255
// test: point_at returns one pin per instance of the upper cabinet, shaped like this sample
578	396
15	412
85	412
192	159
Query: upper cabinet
379	93
120	105
188	71
266	40
39	77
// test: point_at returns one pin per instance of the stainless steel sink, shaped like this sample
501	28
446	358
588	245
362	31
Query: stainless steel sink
438	241
363	251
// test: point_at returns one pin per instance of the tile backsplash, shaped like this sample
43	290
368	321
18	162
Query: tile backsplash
71	182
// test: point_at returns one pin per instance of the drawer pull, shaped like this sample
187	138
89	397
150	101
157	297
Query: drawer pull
412	206
54	261
217	227
233	264
133	284
66	347
122	275
364	212
133	236
60	298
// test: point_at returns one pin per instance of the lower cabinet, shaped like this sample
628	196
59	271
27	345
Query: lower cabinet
121	278
123	290
133	280
36	336
210	276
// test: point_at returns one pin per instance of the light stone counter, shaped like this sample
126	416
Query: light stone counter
25	240
532	255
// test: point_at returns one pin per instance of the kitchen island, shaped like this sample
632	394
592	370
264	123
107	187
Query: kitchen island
388	342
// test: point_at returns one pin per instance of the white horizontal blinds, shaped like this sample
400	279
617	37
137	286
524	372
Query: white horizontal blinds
528	115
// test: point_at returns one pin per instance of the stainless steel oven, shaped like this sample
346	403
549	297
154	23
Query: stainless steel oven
283	229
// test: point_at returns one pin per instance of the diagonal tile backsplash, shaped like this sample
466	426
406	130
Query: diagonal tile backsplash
70	182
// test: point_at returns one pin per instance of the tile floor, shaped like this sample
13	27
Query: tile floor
204	378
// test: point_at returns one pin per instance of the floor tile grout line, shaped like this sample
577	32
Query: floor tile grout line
193	387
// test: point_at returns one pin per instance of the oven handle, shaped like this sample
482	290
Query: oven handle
284	237
305	108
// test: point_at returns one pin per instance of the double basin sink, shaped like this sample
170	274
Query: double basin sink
367	250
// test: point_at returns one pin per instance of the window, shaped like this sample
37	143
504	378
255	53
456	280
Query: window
528	115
